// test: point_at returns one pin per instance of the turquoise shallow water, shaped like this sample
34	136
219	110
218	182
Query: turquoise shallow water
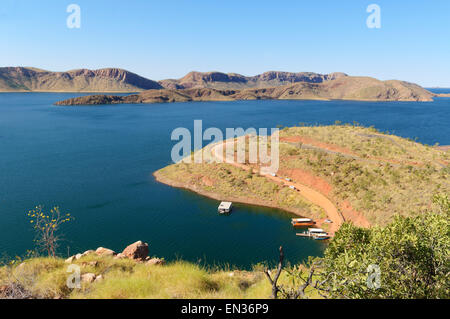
96	163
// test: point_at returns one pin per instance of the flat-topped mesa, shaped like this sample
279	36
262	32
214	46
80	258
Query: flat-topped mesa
219	80
309	77
341	87
13	79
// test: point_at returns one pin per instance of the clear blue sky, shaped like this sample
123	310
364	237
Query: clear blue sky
167	39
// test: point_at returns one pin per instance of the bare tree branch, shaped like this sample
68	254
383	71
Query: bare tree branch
273	282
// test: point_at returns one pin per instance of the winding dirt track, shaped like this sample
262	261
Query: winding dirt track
304	191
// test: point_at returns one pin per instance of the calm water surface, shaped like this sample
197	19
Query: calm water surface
96	163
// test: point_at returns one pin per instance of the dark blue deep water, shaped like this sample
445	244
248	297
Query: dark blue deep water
96	163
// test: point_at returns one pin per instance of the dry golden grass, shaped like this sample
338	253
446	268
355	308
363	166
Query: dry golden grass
124	278
382	175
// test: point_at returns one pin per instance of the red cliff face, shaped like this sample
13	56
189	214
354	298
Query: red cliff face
219	80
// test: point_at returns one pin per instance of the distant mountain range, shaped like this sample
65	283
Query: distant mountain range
13	79
201	86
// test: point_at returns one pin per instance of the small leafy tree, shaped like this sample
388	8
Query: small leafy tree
410	257
46	225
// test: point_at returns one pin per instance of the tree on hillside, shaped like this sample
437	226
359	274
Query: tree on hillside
46	225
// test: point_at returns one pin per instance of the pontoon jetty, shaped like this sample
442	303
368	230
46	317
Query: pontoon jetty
315	233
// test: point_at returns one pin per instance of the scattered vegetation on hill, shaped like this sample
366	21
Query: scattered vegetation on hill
379	174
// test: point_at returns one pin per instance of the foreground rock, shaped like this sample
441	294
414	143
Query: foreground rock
70	260
89	277
155	261
136	251
105	252
98	278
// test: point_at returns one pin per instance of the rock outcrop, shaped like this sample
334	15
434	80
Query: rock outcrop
105	252
88	277
155	261
136	251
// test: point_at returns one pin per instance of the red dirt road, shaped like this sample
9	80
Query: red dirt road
306	192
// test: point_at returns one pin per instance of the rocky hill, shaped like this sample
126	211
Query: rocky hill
218	80
21	79
341	88
209	86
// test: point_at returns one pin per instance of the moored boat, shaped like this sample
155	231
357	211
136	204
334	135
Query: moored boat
225	207
302	222
321	236
315	233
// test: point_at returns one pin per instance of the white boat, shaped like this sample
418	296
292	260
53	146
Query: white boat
321	236
225	207
316	231
301	220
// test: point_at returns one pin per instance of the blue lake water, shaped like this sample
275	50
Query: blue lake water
96	163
